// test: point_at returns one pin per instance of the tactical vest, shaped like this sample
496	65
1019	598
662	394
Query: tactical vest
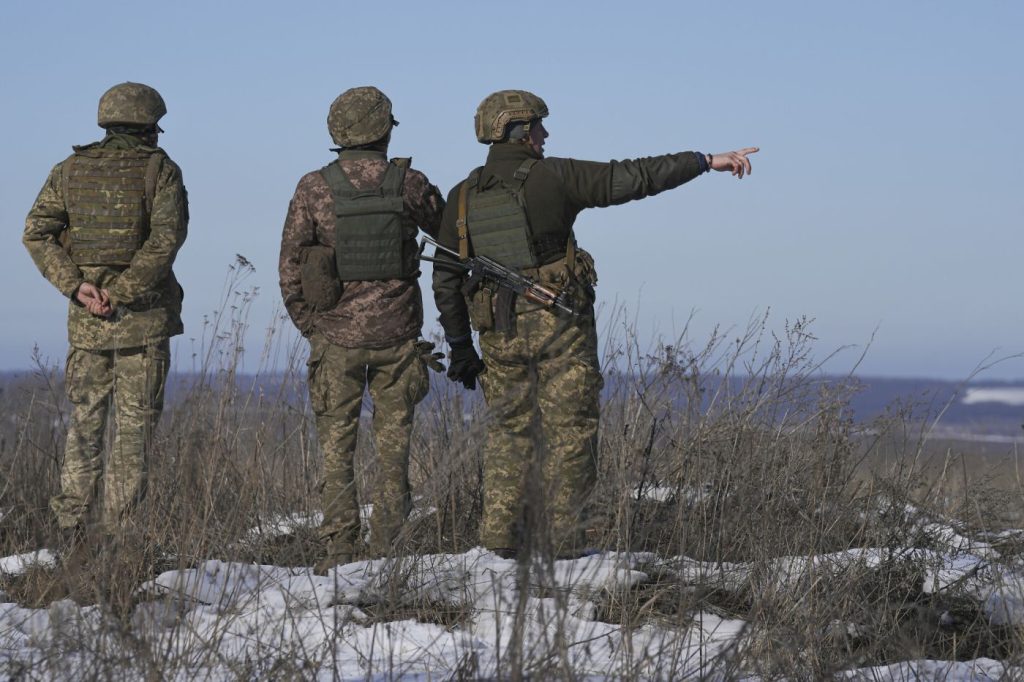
371	241
108	194
494	220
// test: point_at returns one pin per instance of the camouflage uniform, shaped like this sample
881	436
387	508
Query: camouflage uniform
123	359
367	339
545	373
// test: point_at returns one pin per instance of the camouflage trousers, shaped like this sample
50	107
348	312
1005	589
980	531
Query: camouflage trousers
129	381
397	380
542	390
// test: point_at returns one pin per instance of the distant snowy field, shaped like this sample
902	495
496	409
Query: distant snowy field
1007	396
227	621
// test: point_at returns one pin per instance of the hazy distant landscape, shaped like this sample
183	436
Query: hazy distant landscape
979	411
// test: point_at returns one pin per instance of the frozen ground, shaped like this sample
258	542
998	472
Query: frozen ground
446	616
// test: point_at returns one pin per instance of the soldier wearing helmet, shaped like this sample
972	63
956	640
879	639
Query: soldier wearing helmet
105	230
348	275
540	364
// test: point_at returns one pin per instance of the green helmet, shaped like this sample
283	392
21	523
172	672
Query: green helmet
130	104
360	116
502	108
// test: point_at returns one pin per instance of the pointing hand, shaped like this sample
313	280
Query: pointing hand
735	162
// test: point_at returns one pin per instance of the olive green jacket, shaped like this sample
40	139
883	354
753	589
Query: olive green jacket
556	190
145	294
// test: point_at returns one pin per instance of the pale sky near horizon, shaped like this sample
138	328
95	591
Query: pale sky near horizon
881	199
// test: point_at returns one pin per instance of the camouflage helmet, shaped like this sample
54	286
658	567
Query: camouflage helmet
130	104
360	116
504	107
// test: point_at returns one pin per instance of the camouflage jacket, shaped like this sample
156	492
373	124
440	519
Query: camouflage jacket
370	314
556	190
145	294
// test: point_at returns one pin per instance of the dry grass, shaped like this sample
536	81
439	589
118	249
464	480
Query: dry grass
754	458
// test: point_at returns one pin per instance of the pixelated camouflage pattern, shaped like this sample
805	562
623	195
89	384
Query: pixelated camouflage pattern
547	377
359	116
503	107
397	381
130	104
369	314
146	295
130	382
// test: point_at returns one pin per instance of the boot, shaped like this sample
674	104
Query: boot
336	553
73	550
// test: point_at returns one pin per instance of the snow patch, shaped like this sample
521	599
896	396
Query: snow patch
1006	396
19	563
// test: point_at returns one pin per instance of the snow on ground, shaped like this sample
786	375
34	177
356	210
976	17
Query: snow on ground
289	524
222	617
979	670
19	563
995	394
664	493
225	620
284	524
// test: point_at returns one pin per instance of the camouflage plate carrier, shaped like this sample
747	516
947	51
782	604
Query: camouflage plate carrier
109	197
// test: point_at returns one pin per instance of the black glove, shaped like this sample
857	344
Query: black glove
464	364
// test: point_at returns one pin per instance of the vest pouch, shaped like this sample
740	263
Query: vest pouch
584	278
481	309
321	287
578	284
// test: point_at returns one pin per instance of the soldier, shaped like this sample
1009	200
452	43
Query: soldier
349	273
104	230
541	364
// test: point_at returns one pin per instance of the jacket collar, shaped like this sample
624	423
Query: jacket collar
503	153
359	154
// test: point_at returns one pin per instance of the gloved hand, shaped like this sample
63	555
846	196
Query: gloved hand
464	364
432	360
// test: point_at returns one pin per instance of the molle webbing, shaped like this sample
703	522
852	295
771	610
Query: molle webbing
495	220
109	197
371	240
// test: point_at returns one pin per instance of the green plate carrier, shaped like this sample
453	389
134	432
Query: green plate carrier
371	241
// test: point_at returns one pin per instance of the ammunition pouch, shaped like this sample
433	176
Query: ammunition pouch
583	280
480	301
491	308
318	270
578	281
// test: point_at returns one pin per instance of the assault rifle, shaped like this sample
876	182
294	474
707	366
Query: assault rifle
482	268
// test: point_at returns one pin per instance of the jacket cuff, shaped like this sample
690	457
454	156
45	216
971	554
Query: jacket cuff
459	341
73	293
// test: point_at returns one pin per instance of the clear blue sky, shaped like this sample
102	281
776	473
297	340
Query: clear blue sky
882	198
